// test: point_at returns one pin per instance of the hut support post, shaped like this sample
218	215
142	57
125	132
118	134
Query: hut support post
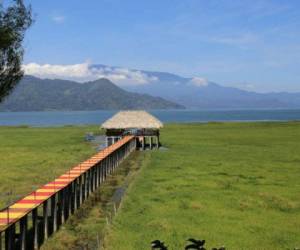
143	143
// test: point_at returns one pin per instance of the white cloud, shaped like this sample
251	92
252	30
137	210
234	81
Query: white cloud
58	18
199	82
87	72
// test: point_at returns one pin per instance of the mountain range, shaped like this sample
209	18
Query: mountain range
137	89
198	93
35	94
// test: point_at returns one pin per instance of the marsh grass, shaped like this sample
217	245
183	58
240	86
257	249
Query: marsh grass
233	184
31	157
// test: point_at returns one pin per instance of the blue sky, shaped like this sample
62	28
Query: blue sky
253	45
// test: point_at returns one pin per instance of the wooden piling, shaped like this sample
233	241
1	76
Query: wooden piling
80	190
35	228
23	233
45	219
10	237
54	212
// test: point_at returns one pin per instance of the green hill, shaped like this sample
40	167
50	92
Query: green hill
34	94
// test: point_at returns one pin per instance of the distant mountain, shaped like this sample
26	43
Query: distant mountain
35	94
198	93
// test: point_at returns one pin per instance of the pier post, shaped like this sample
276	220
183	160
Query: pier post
72	197
99	172
75	204
35	228
10	239
45	218
111	163
114	157
90	181
23	232
86	187
62	206
54	212
80	190
69	199
95	177
106	167
103	169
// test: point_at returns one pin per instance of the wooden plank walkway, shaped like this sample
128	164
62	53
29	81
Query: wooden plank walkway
21	208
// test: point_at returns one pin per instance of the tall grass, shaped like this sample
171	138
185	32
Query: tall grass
233	184
31	157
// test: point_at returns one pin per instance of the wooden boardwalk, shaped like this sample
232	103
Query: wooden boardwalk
51	204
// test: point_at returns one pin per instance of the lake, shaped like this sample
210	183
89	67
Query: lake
59	118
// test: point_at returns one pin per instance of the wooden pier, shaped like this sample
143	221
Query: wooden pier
27	223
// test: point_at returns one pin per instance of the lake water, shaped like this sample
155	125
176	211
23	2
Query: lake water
60	118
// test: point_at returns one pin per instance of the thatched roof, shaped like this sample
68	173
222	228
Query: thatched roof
132	119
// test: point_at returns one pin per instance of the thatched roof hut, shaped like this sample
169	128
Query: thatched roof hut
132	120
139	123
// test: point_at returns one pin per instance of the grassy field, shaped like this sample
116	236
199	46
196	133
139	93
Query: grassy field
31	157
232	184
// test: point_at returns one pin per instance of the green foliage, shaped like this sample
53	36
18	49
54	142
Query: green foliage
31	157
36	94
233	184
14	21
